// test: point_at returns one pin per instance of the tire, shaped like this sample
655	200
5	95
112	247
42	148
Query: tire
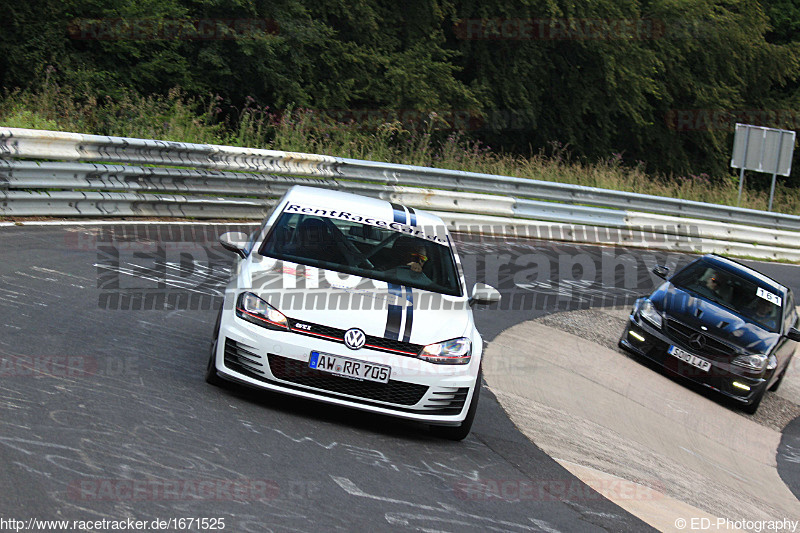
777	384
211	367
753	407
461	431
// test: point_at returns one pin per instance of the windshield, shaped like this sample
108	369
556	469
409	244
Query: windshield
363	250
755	302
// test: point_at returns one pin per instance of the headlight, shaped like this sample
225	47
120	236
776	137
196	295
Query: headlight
253	309
649	313
772	363
452	352
756	361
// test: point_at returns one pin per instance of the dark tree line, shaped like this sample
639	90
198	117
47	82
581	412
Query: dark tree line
658	81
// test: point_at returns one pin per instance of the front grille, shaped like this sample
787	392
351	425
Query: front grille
298	372
713	347
389	344
337	335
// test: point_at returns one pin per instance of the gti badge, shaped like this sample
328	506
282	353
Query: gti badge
354	338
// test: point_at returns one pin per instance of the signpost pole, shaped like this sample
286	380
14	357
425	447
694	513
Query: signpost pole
775	174
741	181
744	164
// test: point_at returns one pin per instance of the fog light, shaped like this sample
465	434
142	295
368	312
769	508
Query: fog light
636	336
741	386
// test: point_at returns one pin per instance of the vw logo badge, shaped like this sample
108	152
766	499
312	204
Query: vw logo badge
354	338
697	341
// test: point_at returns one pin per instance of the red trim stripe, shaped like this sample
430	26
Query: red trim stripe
262	318
383	348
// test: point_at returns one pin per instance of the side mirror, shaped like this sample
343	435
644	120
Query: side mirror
661	271
234	241
793	334
483	294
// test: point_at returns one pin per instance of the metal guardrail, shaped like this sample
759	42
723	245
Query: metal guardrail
564	193
101	176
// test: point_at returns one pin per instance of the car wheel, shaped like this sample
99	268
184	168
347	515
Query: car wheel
753	407
461	431
778	382
211	367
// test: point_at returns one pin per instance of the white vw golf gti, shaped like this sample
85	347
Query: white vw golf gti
356	302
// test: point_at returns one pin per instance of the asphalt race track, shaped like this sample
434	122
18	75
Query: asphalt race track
104	334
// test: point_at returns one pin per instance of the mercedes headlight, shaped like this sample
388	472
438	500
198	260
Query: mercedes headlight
649	313
756	361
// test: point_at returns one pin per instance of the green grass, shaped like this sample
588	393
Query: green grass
179	117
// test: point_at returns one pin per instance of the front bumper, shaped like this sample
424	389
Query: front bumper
728	379
278	361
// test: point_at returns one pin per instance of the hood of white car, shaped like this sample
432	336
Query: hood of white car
328	298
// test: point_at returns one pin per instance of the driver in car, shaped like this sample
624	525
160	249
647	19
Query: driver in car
417	258
410	255
714	285
765	312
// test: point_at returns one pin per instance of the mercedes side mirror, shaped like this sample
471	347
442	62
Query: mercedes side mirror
661	271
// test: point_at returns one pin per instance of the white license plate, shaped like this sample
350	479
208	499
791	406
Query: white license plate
349	368
686	357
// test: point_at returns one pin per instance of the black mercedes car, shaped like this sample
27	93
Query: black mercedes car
718	323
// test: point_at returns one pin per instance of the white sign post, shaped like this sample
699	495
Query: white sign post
762	150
